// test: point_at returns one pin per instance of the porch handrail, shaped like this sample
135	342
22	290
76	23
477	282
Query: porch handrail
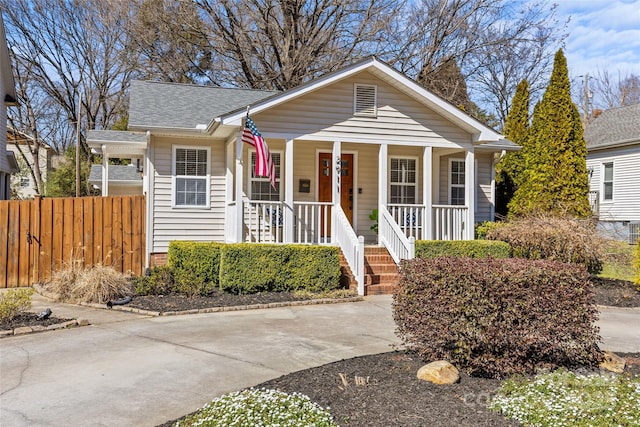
410	218
264	221
393	238
449	222
312	222
352	246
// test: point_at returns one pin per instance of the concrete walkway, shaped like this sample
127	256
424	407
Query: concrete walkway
132	370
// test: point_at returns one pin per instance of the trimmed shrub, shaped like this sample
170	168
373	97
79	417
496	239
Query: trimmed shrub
247	268
160	281
13	302
497	317
200	259
462	248
636	279
482	228
565	239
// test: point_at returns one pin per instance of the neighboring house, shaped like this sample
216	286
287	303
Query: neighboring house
613	162
122	181
23	182
8	164
365	137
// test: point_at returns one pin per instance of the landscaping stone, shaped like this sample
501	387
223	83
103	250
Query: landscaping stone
439	372
82	321
613	363
6	333
22	330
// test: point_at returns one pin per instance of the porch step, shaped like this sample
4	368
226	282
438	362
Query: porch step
381	274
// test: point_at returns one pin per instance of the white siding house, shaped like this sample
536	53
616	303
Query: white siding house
360	139
8	163
613	162
21	145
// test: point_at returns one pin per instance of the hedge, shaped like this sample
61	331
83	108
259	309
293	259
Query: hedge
202	259
462	248
249	268
498	317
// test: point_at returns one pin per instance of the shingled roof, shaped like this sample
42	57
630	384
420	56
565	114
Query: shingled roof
120	173
171	105
614	127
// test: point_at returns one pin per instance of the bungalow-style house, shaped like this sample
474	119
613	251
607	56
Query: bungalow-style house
23	183
613	162
8	164
361	139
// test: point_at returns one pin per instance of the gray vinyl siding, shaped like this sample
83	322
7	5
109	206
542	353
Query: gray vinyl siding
4	164
625	205
184	223
329	114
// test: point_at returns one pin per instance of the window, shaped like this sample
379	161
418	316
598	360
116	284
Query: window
191	176
261	188
607	182
403	180
364	103
456	184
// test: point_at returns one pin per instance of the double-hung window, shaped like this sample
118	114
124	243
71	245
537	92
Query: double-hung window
261	188
607	181
403	180
191	176
456	182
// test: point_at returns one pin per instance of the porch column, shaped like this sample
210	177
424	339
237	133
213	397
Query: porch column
469	192
427	193
335	182
382	181
229	234
239	175
105	171
288	192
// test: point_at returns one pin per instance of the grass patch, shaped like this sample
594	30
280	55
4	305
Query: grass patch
618	261
563	398
260	407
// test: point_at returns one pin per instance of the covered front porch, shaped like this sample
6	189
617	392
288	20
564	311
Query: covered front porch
327	192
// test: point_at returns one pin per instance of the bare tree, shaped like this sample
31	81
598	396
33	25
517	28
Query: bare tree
279	44
170	40
615	91
73	49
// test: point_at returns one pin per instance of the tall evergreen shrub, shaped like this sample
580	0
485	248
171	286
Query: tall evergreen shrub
555	177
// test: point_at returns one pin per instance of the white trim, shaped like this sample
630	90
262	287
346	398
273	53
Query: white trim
613	180
250	152
450	184
416	183
477	187
207	178
149	173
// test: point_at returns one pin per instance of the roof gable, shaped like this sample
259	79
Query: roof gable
9	89
614	127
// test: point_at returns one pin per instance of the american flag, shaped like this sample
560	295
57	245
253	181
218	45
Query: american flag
264	163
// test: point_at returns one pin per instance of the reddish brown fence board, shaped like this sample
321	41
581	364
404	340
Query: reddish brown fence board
38	237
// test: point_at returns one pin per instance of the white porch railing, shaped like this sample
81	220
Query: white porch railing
393	238
263	221
352	246
449	222
312	224
410	219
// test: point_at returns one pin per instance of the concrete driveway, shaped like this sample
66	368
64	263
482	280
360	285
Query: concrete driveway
129	370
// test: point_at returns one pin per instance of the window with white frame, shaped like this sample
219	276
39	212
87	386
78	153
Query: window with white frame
607	181
261	188
403	178
456	182
191	176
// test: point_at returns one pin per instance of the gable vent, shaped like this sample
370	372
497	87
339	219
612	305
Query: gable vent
365	100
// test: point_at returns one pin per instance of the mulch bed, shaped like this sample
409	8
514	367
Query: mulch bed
617	293
29	319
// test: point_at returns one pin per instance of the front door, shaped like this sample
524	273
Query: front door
325	172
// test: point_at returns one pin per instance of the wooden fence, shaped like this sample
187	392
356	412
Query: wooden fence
41	236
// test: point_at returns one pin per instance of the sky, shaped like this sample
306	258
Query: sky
603	35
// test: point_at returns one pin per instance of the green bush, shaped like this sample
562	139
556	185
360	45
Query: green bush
482	228
13	302
160	281
636	279
462	248
563	239
497	317
249	268
200	260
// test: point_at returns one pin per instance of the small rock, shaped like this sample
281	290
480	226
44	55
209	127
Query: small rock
439	372
613	363
82	321
22	330
6	332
